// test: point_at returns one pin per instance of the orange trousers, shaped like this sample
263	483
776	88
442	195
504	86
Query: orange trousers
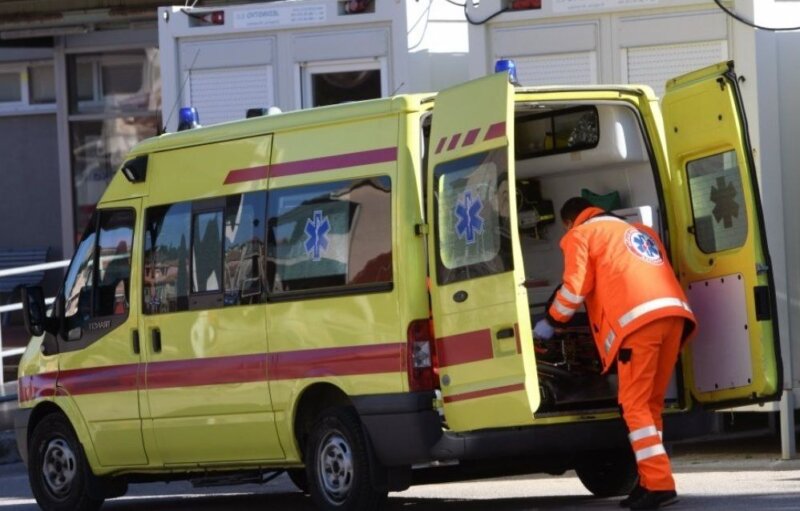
645	364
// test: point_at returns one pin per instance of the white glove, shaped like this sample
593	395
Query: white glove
543	330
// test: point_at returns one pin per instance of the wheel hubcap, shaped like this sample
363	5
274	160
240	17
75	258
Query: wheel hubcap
59	467
335	467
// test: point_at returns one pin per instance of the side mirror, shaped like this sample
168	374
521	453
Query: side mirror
33	310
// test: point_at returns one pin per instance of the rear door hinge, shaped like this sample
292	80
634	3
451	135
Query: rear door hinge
762	268
421	229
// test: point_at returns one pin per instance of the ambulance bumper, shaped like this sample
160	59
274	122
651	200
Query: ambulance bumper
559	442
402	428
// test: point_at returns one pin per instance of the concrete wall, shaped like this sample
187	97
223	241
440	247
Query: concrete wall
788	56
29	183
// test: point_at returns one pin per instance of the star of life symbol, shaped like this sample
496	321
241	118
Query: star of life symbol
316	230
725	206
643	246
470	222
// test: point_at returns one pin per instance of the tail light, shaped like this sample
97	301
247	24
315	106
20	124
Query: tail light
421	356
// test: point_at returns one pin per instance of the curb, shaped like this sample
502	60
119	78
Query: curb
8	448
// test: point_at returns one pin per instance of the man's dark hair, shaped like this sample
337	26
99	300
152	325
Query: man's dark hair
574	207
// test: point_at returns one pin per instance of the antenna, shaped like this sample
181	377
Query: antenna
180	91
395	91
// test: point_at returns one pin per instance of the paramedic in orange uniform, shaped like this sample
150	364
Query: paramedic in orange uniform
639	317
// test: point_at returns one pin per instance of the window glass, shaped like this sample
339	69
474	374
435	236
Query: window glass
41	84
118	81
330	235
207	252
122	78
10	87
166	275
78	283
715	186
84	80
472	213
334	88
114	262
245	249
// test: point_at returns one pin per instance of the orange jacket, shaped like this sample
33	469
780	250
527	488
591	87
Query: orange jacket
621	272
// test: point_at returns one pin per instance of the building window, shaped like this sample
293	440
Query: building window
27	87
41	84
10	88
330	236
115	101
124	81
331	84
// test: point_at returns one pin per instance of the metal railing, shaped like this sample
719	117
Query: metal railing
5	309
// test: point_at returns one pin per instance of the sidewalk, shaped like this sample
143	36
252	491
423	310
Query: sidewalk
748	450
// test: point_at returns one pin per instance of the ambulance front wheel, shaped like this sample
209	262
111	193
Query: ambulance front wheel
60	477
338	464
608	473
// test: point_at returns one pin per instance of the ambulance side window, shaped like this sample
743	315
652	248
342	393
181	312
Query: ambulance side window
245	248
335	237
205	254
473	232
97	282
79	280
715	186
114	262
166	258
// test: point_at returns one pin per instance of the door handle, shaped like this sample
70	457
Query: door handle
505	333
135	339
155	337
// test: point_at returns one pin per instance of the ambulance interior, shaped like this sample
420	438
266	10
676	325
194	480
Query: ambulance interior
566	150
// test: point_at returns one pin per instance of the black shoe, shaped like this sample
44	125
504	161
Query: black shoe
655	499
637	492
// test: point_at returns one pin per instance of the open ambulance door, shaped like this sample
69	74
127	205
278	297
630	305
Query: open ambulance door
723	259
481	317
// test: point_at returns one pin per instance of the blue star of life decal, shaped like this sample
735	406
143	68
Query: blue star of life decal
643	246
316	230
470	222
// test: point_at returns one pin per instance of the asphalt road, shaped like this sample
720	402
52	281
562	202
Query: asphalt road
721	484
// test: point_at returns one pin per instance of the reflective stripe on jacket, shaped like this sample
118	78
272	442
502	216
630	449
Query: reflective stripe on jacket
620	271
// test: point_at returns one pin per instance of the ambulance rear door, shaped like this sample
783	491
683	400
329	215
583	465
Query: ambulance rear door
723	260
481	317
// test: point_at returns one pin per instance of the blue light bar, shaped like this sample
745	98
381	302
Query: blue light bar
507	66
188	118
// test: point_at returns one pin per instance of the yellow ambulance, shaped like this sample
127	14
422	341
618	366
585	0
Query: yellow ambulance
345	294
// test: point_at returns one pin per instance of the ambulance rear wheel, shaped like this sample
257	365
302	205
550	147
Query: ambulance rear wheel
338	464
60	476
608	473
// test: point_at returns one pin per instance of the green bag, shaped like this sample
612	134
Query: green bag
608	202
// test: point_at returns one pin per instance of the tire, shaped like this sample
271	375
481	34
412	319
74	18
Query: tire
60	477
299	478
338	464
608	473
